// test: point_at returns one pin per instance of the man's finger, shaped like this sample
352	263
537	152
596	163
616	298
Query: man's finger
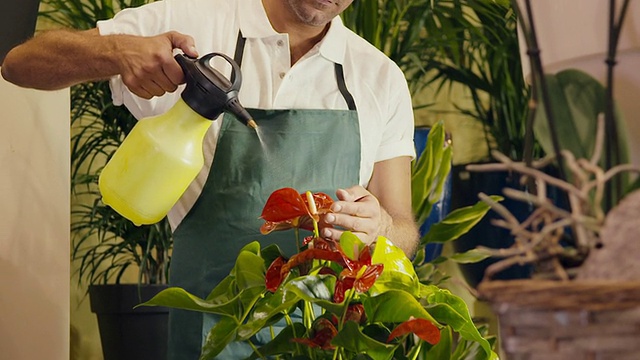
184	43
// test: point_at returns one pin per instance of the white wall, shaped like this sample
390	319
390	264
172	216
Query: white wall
34	224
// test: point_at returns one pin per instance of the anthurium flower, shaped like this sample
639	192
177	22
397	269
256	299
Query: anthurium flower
273	279
358	274
355	312
323	331
287	209
423	328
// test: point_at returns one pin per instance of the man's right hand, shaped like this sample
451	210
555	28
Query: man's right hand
147	65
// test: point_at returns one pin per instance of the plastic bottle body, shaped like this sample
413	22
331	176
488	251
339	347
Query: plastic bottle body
155	164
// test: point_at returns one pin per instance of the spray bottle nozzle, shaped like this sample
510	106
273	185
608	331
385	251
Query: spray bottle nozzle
210	93
240	112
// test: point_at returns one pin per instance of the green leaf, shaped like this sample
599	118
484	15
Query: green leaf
313	287
452	310
469	257
226	290
267	311
270	252
577	99
219	337
470	350
282	343
430	173
442	350
351	244
398	272
249	270
394	306
317	289
353	340
230	306
457	223
179	298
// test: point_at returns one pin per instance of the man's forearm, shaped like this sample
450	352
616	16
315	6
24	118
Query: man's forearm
60	58
402	231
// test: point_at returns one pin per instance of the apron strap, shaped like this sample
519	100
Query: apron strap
237	57
342	86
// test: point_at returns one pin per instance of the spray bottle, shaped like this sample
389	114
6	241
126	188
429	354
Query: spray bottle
162	155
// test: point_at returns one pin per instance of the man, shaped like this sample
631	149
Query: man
333	113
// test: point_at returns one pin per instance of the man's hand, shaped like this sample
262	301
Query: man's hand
56	59
382	209
147	65
359	212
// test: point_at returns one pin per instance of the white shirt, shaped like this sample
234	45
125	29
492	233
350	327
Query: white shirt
270	82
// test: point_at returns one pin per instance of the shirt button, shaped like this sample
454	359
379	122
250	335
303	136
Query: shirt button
280	43
282	74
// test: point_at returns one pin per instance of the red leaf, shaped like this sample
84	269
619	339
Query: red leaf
423	328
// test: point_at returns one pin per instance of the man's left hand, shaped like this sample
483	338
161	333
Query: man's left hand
358	211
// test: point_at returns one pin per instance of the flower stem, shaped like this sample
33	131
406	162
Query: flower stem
296	232
349	295
308	315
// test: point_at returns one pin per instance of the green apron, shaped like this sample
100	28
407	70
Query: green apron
308	150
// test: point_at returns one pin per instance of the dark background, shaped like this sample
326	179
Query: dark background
17	23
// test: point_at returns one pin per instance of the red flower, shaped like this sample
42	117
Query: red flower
273	279
287	209
355	312
358	274
423	328
323	331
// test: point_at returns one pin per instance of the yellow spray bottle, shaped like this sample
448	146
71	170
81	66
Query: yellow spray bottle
162	155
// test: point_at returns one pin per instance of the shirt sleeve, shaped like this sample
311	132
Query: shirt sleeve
398	127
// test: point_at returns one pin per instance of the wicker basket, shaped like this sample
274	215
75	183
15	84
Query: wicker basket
575	320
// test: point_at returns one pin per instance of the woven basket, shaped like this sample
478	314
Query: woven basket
574	320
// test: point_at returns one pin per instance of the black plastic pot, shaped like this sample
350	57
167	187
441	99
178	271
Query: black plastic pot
127	333
17	23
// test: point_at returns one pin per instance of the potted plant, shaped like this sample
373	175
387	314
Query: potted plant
105	246
585	295
264	281
353	300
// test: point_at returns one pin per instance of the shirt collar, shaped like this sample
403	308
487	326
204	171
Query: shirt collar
253	20
334	44
255	24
